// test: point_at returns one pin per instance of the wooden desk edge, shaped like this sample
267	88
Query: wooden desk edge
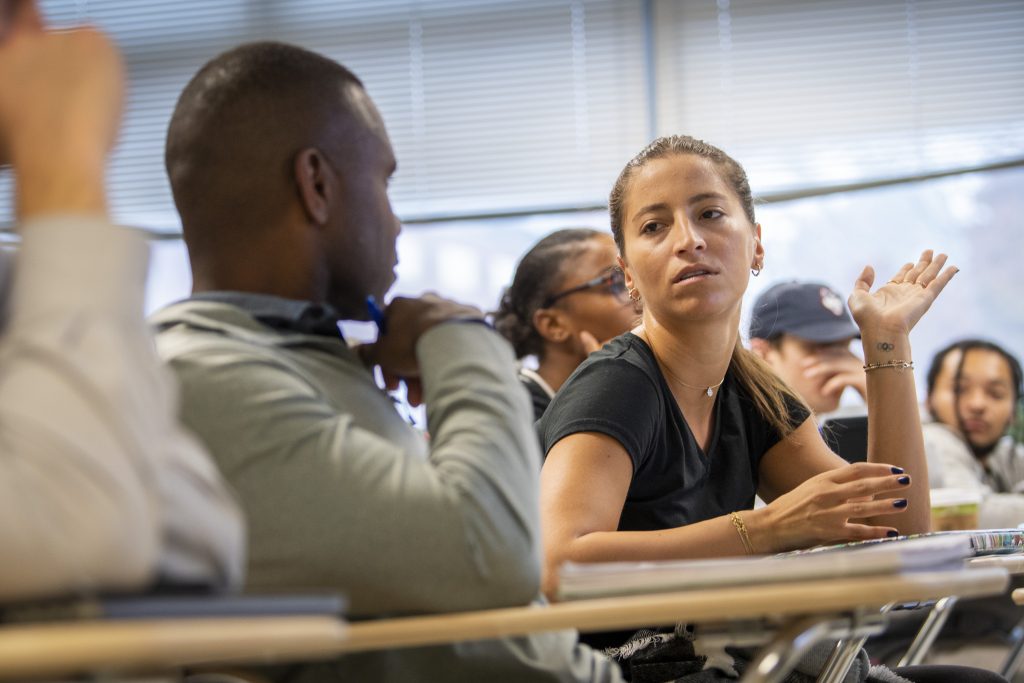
719	604
50	649
58	649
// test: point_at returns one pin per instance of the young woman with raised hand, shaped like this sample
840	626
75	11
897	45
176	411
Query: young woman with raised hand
658	443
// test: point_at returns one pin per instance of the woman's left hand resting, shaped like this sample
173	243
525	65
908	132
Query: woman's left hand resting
830	508
897	305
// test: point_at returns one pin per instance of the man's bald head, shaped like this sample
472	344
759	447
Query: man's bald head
238	126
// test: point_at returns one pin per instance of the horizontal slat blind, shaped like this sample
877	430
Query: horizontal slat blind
492	105
520	105
817	92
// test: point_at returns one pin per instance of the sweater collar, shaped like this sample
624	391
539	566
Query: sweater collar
278	313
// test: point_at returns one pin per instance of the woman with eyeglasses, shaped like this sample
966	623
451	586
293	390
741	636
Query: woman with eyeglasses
567	297
659	442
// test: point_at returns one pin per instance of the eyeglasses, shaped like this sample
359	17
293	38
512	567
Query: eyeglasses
613	280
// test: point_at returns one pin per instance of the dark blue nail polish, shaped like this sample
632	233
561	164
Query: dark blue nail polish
892	533
897	470
904	480
900	503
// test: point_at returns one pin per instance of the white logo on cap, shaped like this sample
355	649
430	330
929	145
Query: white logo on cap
831	301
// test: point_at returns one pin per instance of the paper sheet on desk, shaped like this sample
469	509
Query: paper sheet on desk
983	541
579	581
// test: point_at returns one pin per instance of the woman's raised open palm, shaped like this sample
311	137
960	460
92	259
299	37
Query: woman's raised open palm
899	303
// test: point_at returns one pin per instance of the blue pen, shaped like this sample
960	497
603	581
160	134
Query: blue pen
377	315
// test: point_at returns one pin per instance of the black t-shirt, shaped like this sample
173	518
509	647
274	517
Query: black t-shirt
620	391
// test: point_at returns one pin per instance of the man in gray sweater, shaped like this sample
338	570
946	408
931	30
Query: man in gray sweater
279	164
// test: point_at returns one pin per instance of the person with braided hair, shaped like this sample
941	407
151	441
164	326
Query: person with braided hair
567	297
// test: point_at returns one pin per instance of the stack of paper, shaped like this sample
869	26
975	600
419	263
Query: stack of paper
931	551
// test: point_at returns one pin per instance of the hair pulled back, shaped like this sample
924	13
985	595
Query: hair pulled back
765	388
672	145
539	272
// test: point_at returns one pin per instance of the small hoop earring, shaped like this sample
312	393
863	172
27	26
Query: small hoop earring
634	295
756	270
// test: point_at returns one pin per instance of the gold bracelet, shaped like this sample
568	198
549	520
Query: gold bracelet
741	529
899	365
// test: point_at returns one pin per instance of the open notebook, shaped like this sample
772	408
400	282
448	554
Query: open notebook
922	552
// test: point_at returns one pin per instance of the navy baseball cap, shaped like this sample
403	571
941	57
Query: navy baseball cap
809	310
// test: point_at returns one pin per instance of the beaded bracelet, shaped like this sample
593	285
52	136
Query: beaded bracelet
741	529
897	364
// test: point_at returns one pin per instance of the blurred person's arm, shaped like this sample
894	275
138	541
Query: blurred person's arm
88	444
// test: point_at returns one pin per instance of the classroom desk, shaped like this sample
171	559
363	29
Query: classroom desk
943	608
1014	564
800	609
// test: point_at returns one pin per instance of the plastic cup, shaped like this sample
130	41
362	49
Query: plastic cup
955	509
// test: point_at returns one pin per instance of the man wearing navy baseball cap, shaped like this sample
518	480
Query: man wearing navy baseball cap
803	331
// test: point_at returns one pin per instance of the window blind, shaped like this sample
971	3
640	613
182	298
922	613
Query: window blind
534	105
492	105
819	92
